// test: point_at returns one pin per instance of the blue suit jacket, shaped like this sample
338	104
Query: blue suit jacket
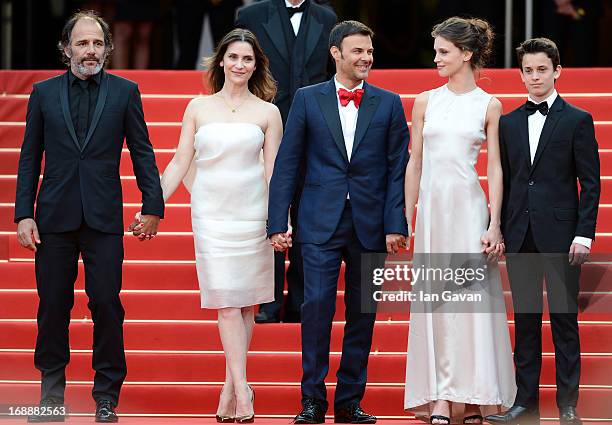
374	177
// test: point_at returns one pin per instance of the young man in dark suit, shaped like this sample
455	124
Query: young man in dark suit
294	35
79	120
548	222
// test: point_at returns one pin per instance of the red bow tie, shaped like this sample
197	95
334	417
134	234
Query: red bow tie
346	96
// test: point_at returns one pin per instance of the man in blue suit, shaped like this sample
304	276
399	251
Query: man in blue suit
354	139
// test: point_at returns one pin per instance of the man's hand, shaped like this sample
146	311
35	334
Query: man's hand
144	226
395	241
578	254
27	234
281	241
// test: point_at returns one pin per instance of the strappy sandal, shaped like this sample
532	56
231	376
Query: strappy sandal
476	419
440	418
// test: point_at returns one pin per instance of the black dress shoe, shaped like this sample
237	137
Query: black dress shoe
263	317
353	414
517	415
47	408
105	411
312	413
568	415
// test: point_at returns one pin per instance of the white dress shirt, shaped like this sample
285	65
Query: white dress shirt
348	118
535	123
297	17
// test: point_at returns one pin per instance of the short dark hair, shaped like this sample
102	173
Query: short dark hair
69	26
538	45
471	34
347	28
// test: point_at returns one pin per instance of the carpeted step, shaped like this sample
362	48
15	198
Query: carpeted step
389	336
166	135
185	305
169	109
131	194
595	277
270	399
210	367
9	161
398	80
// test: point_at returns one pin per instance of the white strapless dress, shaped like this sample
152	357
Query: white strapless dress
463	357
229	207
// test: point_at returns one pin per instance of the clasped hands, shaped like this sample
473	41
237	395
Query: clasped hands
283	241
492	244
144	226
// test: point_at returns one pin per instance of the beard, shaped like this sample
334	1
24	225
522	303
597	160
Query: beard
88	71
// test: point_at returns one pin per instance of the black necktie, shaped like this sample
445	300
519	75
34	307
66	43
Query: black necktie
83	117
293	10
531	107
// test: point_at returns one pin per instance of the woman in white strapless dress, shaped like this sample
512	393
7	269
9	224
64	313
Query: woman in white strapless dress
232	138
459	363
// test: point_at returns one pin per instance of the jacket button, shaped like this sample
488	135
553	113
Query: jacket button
350	175
526	211
531	183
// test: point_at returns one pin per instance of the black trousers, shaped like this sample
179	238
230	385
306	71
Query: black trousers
526	271
56	271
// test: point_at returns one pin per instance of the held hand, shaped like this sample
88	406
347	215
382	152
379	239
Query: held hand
281	241
136	226
492	244
27	234
578	254
149	227
395	241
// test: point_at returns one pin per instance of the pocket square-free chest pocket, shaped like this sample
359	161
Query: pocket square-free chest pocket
566	214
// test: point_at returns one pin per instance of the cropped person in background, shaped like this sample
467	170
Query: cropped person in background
294	35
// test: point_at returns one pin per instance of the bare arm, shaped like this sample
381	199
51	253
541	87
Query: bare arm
415	163
494	167
273	136
181	161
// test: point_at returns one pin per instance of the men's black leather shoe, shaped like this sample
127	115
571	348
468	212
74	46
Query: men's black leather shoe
312	413
105	411
568	415
517	415
47	408
263	317
353	414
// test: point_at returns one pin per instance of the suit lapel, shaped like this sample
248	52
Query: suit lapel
523	129
549	126
313	30
274	28
328	102
99	107
368	106
66	109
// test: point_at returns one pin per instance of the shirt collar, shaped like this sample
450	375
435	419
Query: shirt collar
74	79
340	86
550	99
288	4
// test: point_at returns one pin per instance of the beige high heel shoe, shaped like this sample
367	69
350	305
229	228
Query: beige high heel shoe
247	419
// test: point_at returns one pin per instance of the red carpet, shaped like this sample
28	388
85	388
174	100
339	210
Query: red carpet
174	354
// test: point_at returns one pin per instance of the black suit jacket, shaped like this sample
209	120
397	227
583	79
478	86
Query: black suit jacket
309	61
82	183
545	194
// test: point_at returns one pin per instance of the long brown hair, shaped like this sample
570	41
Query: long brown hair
261	83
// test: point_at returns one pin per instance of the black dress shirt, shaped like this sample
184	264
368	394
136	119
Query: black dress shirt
82	95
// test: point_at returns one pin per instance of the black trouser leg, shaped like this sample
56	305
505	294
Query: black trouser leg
103	257
56	271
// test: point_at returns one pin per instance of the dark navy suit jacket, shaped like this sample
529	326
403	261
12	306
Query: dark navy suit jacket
374	177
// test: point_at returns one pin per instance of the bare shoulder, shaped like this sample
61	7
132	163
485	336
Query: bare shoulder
495	107
420	102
